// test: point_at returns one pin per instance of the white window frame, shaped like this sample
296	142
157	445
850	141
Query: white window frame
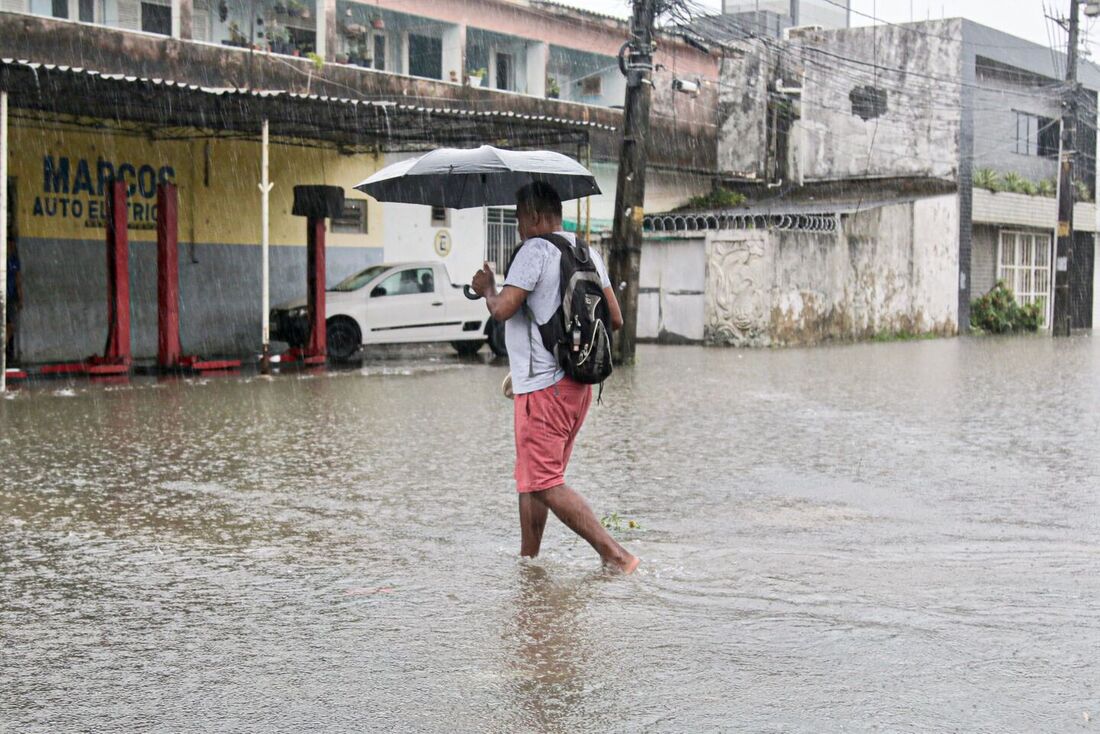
1024	261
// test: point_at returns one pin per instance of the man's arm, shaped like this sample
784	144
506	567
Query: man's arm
502	305
613	307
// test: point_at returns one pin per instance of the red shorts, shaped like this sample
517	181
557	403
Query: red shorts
547	422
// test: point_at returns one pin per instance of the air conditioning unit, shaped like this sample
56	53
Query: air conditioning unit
799	31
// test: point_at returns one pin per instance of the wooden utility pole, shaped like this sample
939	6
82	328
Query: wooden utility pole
1066	190
636	63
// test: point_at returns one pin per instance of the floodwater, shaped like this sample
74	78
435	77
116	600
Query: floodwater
896	537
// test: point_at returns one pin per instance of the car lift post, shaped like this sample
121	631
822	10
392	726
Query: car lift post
316	203
169	352
168	277
117	356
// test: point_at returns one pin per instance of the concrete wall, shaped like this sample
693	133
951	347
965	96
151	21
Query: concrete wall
1096	284
742	111
916	135
888	269
999	96
671	303
983	259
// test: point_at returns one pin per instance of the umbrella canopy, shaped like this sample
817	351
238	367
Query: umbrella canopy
458	178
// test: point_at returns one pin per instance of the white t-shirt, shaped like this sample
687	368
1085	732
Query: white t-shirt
537	270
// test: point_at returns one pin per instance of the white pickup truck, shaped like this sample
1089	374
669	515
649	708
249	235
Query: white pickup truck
395	303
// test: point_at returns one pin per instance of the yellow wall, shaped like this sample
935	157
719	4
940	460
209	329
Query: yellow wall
217	178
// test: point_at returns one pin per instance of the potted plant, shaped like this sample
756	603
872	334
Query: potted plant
355	31
294	8
553	89
280	39
341	58
236	37
377	23
475	77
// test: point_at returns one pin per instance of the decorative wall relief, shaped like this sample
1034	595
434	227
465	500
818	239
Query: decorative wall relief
738	289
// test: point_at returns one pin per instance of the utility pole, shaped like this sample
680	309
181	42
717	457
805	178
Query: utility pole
1066	191
636	63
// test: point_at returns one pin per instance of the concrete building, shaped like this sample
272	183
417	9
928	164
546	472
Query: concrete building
387	79
772	18
890	133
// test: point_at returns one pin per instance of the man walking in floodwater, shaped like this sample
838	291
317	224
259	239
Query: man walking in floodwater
549	407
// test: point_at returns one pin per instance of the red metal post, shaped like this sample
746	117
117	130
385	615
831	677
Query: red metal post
168	276
118	277
315	274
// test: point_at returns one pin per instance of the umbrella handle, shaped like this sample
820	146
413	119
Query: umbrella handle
469	293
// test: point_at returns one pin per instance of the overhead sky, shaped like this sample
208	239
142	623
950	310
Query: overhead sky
1023	18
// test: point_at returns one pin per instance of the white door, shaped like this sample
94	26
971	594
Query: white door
406	306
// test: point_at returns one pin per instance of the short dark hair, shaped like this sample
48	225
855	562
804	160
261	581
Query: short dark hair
539	196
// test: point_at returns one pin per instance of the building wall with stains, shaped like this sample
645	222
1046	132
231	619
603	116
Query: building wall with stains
887	269
59	174
877	102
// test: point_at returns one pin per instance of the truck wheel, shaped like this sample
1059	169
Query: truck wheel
467	348
495	331
342	339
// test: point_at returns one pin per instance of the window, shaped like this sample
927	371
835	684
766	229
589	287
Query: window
501	237
156	19
360	279
87	11
380	51
50	8
440	217
1036	135
505	72
425	56
353	220
406	282
591	86
1023	263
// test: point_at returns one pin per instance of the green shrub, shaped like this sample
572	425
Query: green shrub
1082	190
717	199
987	178
1048	187
997	312
1014	182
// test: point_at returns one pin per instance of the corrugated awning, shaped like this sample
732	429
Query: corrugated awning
164	103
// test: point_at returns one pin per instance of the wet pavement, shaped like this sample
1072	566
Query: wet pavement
898	537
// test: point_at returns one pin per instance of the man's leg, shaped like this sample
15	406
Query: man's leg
532	521
571	509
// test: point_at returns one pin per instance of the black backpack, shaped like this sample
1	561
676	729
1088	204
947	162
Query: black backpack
579	332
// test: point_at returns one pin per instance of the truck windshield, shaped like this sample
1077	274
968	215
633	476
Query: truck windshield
360	279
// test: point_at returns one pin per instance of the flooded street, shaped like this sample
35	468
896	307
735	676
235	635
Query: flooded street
895	536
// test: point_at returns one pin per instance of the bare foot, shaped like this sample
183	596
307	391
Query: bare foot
627	566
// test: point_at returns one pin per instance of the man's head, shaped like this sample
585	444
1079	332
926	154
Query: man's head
538	210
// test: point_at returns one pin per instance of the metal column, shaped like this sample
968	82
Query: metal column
4	240
265	246
315	275
168	277
116	355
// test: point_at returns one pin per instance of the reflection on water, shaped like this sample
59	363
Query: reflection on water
892	536
550	656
